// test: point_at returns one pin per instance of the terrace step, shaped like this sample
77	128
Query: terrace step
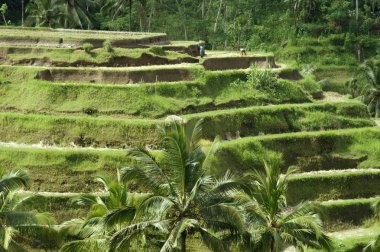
327	185
237	62
59	57
132	75
306	150
76	38
67	130
338	212
353	211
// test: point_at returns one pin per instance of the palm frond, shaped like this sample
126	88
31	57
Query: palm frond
181	226
120	216
71	227
13	181
373	245
26	218
89	244
120	241
154	207
212	242
148	173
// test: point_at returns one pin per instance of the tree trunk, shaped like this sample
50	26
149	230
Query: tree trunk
130	15
22	12
143	16
357	10
183	17
217	15
225	27
183	241
5	21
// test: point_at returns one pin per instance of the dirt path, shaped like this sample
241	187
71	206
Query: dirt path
354	233
52	147
322	172
334	97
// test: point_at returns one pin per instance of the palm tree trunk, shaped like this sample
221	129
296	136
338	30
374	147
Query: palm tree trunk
357	10
217	15
130	14
5	21
183	241
22	13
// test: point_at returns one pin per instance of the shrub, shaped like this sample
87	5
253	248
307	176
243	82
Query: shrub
263	80
157	50
337	39
87	47
107	46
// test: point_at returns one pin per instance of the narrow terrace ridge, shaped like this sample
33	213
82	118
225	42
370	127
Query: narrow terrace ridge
337	184
70	57
76	38
131	75
331	173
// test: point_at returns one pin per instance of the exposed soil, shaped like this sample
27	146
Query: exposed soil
115	77
225	63
119	61
290	75
192	50
334	97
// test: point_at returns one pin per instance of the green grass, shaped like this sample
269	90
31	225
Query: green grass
333	185
59	170
122	132
334	79
211	90
72	34
74	55
353	211
322	150
355	240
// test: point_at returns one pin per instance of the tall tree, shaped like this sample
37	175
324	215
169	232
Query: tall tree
184	200
77	13
44	13
116	7
271	224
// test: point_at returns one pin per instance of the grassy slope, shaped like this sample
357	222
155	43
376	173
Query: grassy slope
72	34
111	132
213	89
303	149
96	55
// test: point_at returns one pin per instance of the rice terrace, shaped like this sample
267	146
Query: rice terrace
210	125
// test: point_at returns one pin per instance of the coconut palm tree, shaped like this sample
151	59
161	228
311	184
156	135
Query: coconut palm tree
370	70
44	13
77	13
184	199
374	245
271	224
18	225
94	232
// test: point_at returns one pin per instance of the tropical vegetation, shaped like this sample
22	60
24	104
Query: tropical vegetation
370	72
271	225
17	225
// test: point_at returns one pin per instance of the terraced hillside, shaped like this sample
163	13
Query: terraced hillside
67	115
